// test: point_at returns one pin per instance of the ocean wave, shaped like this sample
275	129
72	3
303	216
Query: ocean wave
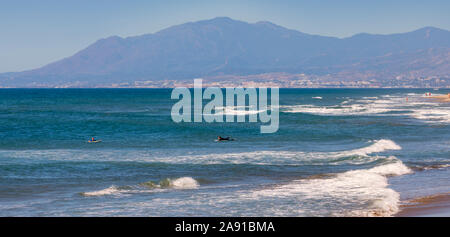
179	183
336	110
355	156
414	105
359	192
236	110
443	166
184	183
378	146
261	157
432	115
423	167
107	191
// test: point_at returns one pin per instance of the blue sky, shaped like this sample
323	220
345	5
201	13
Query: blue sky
34	33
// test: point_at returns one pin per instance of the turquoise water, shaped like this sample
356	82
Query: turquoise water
337	152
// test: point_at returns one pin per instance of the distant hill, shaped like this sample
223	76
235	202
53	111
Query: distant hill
223	46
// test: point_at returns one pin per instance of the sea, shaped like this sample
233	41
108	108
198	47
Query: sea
338	152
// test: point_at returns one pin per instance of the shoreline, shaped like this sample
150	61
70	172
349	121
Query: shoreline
441	98
428	206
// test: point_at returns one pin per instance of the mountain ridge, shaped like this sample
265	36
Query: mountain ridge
223	46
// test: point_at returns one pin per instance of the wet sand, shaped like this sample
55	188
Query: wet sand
430	206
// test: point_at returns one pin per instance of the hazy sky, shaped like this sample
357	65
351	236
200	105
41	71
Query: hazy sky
36	32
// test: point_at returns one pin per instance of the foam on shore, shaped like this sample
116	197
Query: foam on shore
367	190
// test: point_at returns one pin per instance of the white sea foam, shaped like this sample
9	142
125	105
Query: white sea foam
317	97
432	167
107	191
184	183
236	110
378	146
293	157
366	191
415	106
261	157
179	183
437	115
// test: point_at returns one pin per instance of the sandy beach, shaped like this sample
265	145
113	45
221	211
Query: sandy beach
430	206
441	98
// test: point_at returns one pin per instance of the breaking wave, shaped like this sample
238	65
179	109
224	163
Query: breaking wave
236	110
107	191
416	106
296	157
367	190
262	157
179	183
378	146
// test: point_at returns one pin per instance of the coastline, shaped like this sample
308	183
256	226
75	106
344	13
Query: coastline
441	98
428	206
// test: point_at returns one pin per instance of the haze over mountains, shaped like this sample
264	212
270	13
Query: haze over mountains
223	47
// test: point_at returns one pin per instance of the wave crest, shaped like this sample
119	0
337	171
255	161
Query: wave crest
347	190
416	107
378	146
107	191
179	183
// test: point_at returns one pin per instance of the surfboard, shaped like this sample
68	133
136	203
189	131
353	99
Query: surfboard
231	139
96	141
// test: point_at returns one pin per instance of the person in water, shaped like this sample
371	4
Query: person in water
219	138
93	139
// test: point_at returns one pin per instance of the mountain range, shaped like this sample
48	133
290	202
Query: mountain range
223	46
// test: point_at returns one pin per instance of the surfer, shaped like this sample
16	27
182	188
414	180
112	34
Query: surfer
93	140
219	138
